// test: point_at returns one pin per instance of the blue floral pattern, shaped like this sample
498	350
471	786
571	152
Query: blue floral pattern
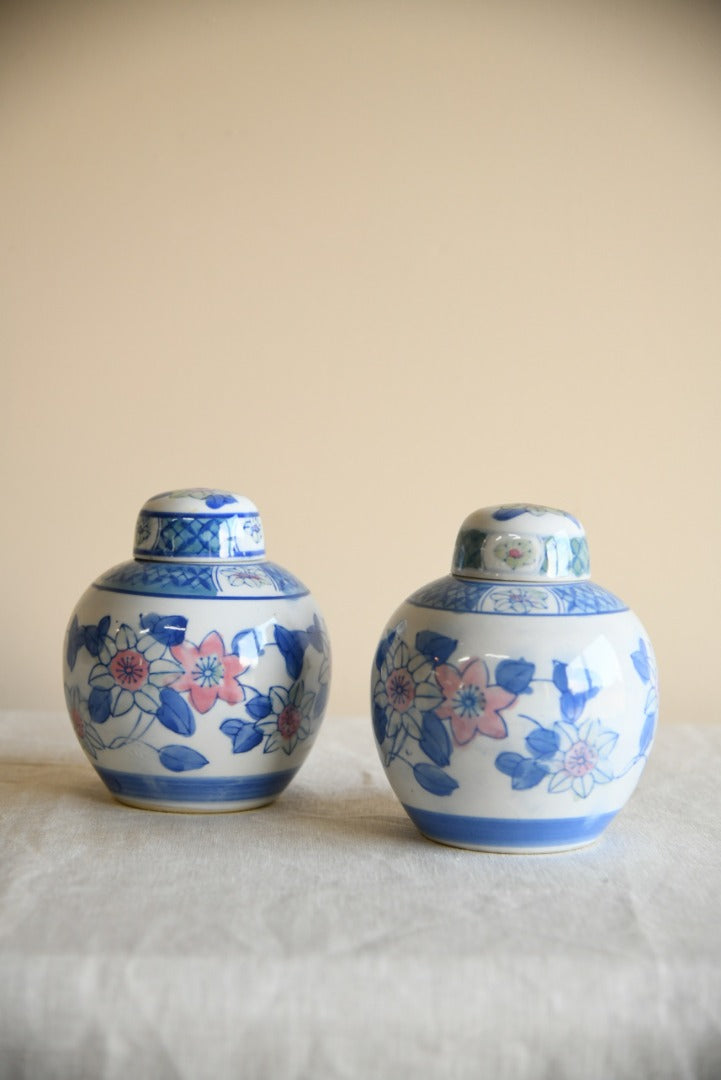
151	676
645	665
428	705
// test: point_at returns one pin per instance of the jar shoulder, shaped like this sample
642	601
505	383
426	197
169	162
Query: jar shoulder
262	580
454	594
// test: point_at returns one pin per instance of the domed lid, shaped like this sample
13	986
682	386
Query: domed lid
199	525
521	542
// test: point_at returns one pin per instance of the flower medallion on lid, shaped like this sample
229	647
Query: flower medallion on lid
521	542
199	525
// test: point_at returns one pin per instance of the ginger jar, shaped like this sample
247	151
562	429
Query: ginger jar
196	675
514	701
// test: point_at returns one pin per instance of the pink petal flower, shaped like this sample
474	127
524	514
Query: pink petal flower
449	680
203	697
204	683
479	714
211	645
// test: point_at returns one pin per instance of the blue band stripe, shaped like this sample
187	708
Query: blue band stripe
524	614
190	514
199	789
178	594
508	832
147	553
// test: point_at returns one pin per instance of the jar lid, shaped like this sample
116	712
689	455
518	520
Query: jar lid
521	542
199	525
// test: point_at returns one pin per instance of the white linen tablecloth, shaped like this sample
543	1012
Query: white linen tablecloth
322	936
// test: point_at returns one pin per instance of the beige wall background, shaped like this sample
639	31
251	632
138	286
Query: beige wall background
374	265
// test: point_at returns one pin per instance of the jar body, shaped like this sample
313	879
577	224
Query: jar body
196	687
513	719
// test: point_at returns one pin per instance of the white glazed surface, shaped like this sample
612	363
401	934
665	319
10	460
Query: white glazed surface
197	702
514	701
204	617
601	644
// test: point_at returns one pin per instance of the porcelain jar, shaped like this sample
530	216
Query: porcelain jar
514	701
196	675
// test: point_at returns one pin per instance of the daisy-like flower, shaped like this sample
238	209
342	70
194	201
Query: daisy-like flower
405	689
289	721
581	760
520	601
471	705
133	670
517	552
208	672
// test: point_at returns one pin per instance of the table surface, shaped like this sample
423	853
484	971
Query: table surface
322	936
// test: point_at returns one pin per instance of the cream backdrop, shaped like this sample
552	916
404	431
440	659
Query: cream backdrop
375	265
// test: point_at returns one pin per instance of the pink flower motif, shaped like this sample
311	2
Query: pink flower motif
472	707
209	672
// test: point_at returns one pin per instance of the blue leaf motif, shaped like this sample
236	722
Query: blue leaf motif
560	676
380	723
524	772
218	499
247	644
175	713
259	707
434	779
94	635
437	647
289	643
314	634
383	648
528	773
572	705
434	741
506	513
508	763
515	675
99	705
167	629
243	735
542	742
641	661
181	758
647	731
76	640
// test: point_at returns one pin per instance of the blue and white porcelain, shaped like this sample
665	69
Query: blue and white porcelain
514	701
196	675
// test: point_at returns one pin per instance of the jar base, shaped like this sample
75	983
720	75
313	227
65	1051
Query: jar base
195	794
193	807
519	836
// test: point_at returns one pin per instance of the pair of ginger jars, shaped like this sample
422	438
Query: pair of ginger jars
513	701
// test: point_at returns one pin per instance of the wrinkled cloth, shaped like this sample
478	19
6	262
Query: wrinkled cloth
322	936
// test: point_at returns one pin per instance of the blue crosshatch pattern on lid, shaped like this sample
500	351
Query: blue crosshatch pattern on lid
182	536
